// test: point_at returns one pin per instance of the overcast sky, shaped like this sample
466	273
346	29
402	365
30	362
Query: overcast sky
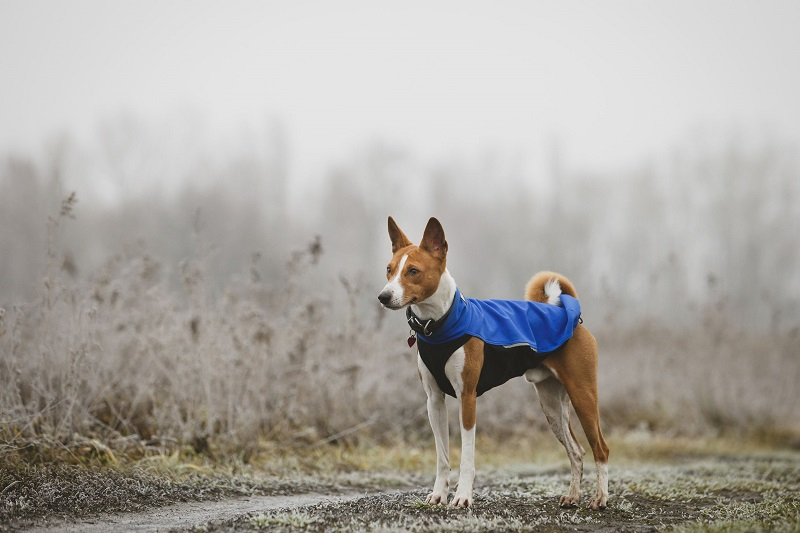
613	81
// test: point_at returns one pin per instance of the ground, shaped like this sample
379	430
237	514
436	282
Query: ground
655	485
711	494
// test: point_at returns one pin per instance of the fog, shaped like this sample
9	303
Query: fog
614	83
193	206
648	152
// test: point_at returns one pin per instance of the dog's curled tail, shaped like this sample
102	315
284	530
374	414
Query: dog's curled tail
547	287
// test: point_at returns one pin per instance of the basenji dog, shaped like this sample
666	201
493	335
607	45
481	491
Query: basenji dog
467	346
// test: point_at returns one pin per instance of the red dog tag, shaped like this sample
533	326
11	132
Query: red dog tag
411	340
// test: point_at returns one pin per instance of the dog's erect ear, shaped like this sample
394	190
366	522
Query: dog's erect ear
399	239
433	240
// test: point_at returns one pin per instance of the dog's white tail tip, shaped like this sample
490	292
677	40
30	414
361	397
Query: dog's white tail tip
552	289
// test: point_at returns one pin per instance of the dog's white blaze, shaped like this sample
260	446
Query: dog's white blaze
552	289
394	287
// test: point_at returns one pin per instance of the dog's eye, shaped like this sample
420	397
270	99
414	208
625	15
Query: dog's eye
413	271
388	271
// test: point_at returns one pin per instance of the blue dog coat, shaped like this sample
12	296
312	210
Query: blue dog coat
518	335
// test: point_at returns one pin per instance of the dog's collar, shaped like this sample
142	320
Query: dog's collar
430	326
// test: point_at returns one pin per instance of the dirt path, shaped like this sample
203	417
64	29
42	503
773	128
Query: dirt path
189	514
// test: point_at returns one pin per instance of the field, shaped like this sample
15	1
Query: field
167	352
656	484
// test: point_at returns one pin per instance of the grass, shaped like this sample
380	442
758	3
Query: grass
290	520
713	482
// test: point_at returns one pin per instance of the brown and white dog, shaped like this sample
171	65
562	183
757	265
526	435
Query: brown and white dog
418	277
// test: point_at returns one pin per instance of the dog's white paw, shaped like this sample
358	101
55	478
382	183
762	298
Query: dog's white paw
598	502
439	493
569	500
462	500
436	498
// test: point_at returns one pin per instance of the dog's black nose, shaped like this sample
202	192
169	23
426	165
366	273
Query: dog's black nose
384	297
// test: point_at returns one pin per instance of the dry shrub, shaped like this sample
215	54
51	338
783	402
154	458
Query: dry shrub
715	379
127	354
307	358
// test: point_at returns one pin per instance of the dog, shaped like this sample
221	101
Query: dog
468	346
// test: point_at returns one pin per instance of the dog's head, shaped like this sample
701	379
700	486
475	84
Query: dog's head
414	272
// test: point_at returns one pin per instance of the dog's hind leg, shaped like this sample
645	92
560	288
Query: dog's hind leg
555	404
575	439
576	368
586	406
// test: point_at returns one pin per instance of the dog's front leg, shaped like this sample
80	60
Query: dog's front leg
463	370
437	414
466	476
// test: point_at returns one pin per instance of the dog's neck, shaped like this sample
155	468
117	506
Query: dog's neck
440	301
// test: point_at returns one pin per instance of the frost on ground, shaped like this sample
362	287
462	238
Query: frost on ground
722	492
739	494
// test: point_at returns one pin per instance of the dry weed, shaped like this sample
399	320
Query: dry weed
306	359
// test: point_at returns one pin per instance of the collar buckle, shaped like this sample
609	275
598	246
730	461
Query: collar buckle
418	325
